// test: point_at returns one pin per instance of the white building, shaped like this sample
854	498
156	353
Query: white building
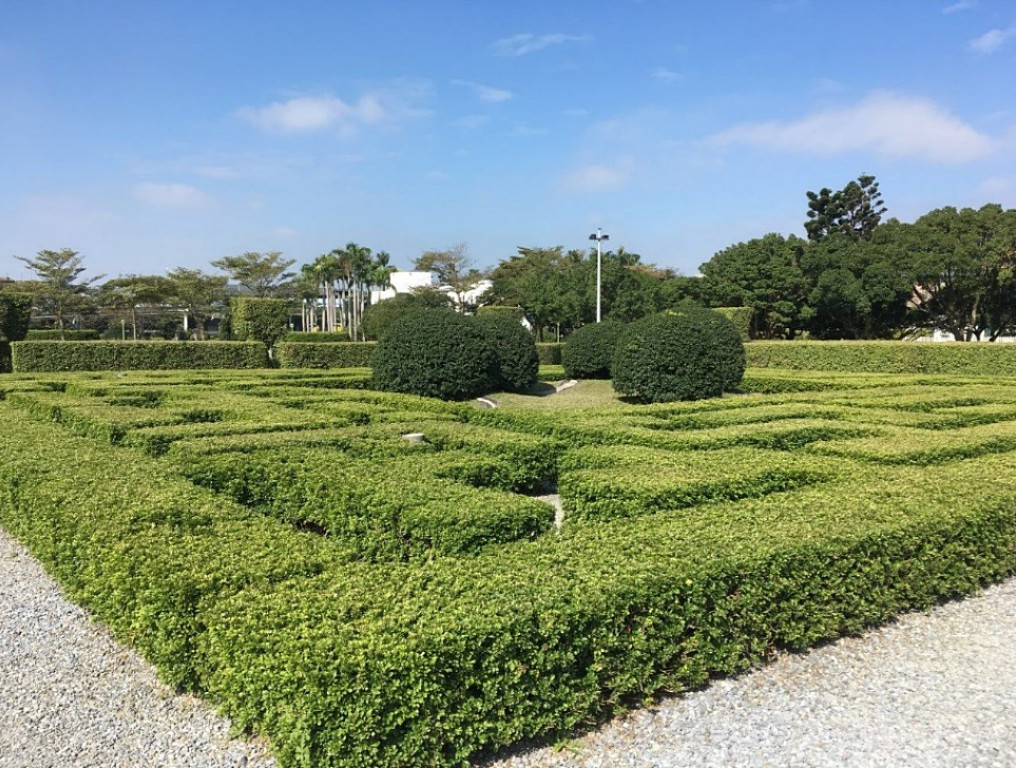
402	282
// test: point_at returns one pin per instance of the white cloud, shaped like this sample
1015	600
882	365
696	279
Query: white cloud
520	45
598	177
666	75
486	93
888	124
991	41
963	5
305	114
169	195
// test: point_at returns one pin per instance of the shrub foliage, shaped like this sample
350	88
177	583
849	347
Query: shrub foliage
364	600
964	358
51	356
15	314
326	354
518	362
379	318
589	351
685	354
257	319
436	353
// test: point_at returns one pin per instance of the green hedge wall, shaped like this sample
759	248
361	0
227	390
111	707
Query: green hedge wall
258	319
5	357
740	317
549	352
433	662
353	354
964	358
316	337
69	334
15	315
53	356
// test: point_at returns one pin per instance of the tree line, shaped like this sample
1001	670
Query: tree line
854	276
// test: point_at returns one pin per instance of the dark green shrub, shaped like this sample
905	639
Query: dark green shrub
436	353
380	317
517	360
685	354
300	354
740	317
588	352
255	319
316	337
68	334
549	352
15	314
51	356
5	357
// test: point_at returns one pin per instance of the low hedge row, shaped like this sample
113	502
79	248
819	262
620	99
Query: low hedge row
354	354
53	356
68	334
925	447
440	659
612	482
316	337
549	352
961	358
5	357
384	511
145	552
476	653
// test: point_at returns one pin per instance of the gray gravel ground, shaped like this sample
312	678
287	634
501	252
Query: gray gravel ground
71	697
934	689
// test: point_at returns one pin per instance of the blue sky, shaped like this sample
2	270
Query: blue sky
149	135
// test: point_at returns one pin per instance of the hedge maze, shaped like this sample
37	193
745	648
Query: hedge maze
271	541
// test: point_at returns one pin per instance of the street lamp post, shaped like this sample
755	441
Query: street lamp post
599	237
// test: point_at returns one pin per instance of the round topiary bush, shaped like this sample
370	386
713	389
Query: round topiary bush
517	360
380	317
589	351
435	353
684	354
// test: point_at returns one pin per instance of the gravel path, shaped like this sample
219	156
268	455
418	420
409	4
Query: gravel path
71	697
934	689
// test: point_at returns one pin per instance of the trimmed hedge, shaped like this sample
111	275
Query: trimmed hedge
740	317
379	318
301	354
258	319
549	352
436	353
684	354
518	362
316	337
444	659
69	334
15	315
384	510
5	357
949	357
52	356
589	351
